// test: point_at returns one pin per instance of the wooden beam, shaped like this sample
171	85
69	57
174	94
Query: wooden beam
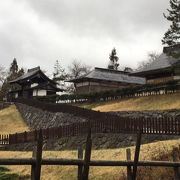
176	169
80	167
136	156
129	170
75	162
33	167
36	170
87	156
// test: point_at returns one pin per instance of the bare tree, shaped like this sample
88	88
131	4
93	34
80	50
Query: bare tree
3	75
151	57
77	69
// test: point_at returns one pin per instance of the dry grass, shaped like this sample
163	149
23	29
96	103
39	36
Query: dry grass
11	121
154	151
159	102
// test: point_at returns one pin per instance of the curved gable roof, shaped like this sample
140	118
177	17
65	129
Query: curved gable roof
31	72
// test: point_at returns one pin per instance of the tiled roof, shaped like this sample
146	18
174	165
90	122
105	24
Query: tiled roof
164	61
26	75
30	73
111	75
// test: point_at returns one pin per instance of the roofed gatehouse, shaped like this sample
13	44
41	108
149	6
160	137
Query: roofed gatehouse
164	69
31	84
101	79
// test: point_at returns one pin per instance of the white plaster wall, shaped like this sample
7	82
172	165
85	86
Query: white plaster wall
34	84
82	84
176	77
41	93
35	92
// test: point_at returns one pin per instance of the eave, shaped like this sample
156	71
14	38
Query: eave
154	71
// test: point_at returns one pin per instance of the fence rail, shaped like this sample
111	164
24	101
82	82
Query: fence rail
84	165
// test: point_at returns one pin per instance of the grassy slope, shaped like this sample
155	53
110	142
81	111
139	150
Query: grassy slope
154	151
160	102
11	121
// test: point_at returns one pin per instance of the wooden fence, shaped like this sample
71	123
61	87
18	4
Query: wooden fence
164	126
85	163
4	139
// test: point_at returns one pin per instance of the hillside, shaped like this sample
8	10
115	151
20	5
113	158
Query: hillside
158	102
11	121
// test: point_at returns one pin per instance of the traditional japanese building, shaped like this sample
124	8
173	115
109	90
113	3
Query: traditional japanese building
101	79
33	83
166	68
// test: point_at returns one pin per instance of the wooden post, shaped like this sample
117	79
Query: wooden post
136	155
80	167
37	154
129	170
33	167
25	136
87	156
176	169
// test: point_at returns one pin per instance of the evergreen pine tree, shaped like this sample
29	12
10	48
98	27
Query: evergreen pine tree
14	67
113	64
172	36
13	73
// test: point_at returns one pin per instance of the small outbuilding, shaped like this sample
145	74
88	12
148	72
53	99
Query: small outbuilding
101	79
31	84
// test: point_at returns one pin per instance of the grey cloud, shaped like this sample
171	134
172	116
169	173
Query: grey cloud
37	32
114	18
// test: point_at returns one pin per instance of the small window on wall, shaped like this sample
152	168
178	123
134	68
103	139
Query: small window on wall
16	95
34	84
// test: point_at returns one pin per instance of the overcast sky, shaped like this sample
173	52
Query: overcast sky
38	32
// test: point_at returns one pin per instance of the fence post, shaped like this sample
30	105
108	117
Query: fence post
176	169
37	155
129	170
25	136
16	138
136	155
80	167
87	156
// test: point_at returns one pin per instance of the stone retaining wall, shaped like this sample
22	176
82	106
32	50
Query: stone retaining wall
4	105
37	118
146	114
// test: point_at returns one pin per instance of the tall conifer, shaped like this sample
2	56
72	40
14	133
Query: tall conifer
172	36
113	63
